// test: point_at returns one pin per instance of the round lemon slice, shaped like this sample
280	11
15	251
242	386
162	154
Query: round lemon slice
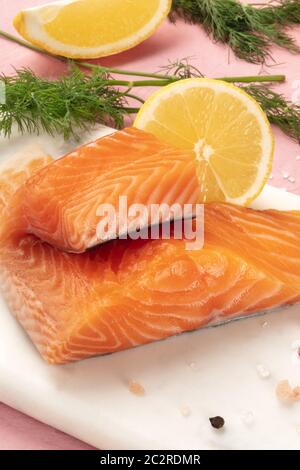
223	126
91	28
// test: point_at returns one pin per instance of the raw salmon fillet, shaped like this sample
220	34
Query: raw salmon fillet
127	293
61	202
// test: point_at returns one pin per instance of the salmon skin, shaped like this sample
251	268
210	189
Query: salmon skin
61	203
128	293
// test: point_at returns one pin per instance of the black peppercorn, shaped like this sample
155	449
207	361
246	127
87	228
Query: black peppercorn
217	422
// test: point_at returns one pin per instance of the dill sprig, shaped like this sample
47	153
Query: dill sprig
181	68
63	106
78	100
249	30
282	113
173	70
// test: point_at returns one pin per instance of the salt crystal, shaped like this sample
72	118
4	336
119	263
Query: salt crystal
271	177
298	157
295	344
262	371
283	391
136	388
193	366
265	324
285	175
185	411
286	394
247	418
292	179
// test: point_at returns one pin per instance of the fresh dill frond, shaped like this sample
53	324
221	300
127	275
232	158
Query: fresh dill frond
282	113
181	68
77	101
64	106
249	30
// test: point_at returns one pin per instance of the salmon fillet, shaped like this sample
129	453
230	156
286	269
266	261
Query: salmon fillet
61	203
127	293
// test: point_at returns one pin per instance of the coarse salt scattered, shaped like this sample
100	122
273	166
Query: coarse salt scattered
185	411
193	366
270	177
298	157
265	324
286	394
295	347
295	344
136	388
262	371
247	418
292	179
285	175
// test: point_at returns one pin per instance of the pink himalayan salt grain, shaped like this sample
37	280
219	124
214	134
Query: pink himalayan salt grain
136	388
286	394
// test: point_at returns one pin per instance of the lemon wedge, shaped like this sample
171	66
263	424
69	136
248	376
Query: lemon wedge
91	28
226	129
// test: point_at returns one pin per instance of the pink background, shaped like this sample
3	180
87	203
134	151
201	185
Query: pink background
171	42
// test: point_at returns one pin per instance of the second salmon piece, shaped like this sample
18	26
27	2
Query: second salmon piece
128	293
61	203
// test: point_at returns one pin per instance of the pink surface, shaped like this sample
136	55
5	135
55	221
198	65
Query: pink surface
20	432
171	42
